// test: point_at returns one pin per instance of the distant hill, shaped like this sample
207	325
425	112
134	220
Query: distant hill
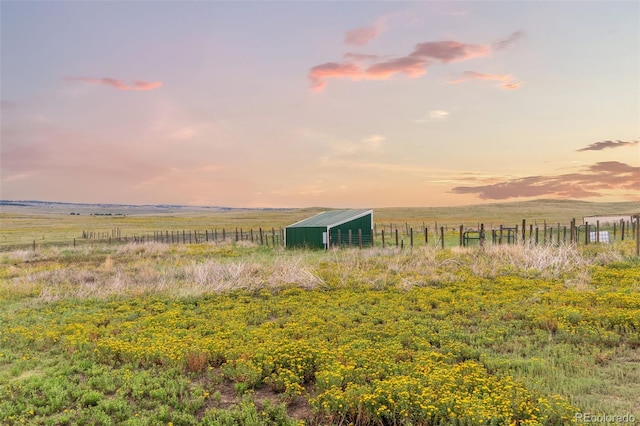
54	207
506	212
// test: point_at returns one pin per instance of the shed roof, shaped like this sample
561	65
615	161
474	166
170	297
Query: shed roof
331	218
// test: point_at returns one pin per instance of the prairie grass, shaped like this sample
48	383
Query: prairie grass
135	269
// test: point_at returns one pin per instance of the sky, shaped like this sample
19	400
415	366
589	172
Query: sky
319	103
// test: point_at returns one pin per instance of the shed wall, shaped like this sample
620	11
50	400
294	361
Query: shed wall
305	237
364	223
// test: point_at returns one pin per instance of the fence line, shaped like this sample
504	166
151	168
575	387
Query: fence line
392	234
441	235
268	236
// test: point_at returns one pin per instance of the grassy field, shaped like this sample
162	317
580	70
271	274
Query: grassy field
236	333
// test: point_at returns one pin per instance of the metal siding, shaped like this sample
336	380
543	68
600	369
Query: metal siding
364	223
305	237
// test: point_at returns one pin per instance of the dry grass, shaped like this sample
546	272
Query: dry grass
136	269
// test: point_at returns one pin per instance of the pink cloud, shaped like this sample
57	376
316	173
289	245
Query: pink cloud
408	65
118	84
319	73
592	181
506	80
363	35
450	51
413	65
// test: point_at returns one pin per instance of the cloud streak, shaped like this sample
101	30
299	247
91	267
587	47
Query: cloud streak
599	146
506	80
592	181
137	85
412	65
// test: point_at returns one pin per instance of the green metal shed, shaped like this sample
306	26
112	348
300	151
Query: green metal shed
332	228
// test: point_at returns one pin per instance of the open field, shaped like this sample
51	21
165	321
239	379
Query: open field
48	224
235	333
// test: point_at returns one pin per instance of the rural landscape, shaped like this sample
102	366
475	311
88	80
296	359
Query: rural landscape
233	332
319	213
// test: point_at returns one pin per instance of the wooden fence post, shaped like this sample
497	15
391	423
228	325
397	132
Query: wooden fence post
383	237
360	238
397	237
411	237
638	235
461	236
586	233
349	238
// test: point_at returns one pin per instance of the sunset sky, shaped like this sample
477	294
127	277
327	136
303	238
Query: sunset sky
337	104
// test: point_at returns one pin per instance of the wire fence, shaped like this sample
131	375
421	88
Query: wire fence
401	235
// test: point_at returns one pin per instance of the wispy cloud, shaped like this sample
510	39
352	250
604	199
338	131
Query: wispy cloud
599	146
345	148
435	115
450	51
363	35
412	65
118	84
373	142
593	181
506	80
503	44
